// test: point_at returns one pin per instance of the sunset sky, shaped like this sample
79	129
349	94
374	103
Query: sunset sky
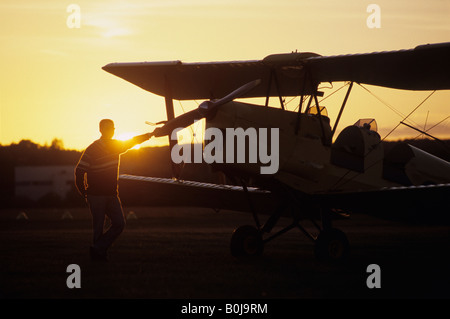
52	84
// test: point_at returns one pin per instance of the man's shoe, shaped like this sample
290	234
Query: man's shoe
96	255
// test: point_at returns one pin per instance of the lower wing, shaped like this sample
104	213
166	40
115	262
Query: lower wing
155	191
418	204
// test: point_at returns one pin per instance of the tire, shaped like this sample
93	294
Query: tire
246	241
331	245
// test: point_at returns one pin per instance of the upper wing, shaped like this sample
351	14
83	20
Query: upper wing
426	67
211	80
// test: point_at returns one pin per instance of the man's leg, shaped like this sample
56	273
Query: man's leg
97	206
115	214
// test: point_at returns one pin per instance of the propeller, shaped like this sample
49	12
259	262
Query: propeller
203	110
155	124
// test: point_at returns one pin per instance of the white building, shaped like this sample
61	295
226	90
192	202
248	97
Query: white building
33	182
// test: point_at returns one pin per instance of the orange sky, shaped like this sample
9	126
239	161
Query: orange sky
52	84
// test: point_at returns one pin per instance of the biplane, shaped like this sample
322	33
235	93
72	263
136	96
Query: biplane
320	176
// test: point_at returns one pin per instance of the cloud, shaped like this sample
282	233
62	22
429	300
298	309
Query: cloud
106	24
53	52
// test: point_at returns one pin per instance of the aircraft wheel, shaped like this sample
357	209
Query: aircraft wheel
246	241
331	245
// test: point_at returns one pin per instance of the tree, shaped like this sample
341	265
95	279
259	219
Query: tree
57	144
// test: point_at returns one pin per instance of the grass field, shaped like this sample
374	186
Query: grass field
183	253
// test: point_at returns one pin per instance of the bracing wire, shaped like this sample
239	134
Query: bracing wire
406	117
338	183
306	97
429	129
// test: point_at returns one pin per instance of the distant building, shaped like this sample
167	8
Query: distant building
34	182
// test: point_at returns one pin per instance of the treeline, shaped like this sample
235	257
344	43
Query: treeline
153	159
28	153
150	161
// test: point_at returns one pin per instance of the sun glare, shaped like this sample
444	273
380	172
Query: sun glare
126	136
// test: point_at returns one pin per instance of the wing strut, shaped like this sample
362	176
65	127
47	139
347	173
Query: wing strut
325	140
297	124
341	110
171	115
252	208
273	76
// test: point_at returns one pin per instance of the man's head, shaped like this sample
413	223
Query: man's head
107	128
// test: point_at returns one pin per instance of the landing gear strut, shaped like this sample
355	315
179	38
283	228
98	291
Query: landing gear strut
330	245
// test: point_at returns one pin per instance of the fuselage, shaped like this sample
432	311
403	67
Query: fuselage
308	161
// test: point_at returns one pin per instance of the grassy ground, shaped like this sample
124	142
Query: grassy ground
184	253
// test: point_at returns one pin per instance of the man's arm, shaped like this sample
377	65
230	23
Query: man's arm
126	145
80	171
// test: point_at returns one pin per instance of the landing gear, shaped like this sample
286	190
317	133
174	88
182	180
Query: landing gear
246	241
330	245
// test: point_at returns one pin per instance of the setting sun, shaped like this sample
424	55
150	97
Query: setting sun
126	136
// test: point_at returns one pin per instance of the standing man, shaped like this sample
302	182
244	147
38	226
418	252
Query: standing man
96	176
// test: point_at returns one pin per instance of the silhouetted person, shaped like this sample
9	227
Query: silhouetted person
96	176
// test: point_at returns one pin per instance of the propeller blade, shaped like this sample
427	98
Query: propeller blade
183	120
237	93
203	109
155	124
